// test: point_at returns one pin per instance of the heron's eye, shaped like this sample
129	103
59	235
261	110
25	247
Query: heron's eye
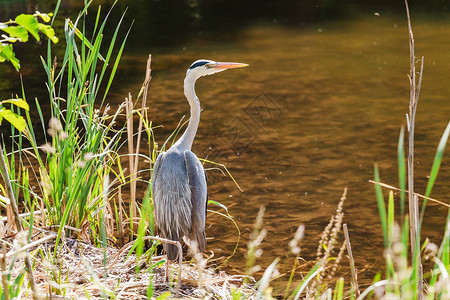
210	65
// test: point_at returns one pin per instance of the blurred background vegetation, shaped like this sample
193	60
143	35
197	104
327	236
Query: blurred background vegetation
171	22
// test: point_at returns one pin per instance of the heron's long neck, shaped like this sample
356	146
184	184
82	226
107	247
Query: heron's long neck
188	136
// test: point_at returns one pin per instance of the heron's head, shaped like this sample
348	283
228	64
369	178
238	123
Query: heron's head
204	67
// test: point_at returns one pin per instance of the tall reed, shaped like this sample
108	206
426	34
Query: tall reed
82	138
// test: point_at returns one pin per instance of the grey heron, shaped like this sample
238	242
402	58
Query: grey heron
179	179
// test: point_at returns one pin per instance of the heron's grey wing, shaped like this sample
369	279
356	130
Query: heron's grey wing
156	167
199	197
171	250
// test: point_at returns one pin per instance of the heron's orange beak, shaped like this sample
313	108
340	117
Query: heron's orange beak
229	65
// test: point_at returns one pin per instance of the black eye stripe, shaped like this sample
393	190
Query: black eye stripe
198	64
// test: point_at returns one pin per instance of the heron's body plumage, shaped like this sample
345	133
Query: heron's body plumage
180	191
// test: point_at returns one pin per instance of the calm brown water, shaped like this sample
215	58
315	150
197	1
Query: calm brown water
311	115
317	107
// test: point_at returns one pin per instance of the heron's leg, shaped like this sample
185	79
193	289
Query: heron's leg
166	277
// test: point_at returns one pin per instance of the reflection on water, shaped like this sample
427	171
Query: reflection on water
315	110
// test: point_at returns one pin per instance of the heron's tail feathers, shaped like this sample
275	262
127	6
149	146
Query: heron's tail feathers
171	251
196	240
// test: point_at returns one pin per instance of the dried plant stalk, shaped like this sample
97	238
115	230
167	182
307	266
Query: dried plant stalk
414	92
352	262
129	112
28	264
4	273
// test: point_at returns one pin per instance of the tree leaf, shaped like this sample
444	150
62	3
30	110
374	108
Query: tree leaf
18	102
45	17
17	32
30	23
17	121
7	53
49	32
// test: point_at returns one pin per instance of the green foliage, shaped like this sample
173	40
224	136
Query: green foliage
381	205
7	54
83	138
435	168
402	279
339	290
79	157
16	120
18	30
14	286
401	170
304	284
145	224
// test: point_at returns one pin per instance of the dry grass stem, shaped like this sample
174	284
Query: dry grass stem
4	272
129	111
17	222
417	194
413	200
29	246
162	240
84	267
120	218
148	78
24	215
353	270
133	153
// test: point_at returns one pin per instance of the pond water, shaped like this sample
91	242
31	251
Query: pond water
318	106
310	116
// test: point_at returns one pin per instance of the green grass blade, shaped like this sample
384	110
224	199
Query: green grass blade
219	205
444	250
390	267
103	221
97	19
41	117
142	227
435	168
381	205
339	290
437	160
401	170
311	274
265	280
116	64
226	170
55	12
110	49
390	218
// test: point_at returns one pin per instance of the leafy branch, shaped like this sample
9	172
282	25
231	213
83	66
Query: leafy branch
19	29
9	115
